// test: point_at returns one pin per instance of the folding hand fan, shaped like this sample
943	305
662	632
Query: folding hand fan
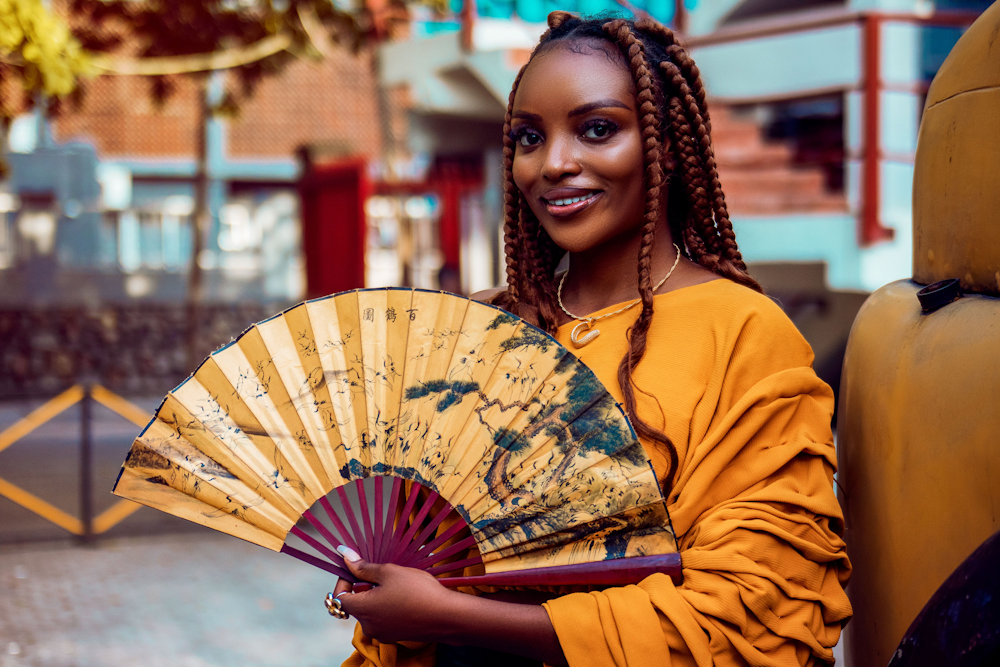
445	406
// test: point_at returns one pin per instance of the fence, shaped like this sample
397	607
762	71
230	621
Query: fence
86	526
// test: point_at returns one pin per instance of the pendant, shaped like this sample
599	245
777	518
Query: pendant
580	342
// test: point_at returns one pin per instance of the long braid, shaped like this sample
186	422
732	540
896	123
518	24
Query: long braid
650	121
723	241
690	143
511	210
538	275
682	71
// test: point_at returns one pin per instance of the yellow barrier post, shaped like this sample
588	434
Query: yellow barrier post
123	509
86	472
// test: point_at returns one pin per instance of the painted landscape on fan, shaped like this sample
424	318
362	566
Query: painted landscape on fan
470	402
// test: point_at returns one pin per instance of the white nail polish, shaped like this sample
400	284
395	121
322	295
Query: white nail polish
348	553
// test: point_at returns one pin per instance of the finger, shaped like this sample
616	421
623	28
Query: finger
363	570
343	586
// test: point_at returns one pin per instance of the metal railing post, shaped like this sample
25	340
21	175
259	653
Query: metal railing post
86	466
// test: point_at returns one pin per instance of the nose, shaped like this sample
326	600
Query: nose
561	159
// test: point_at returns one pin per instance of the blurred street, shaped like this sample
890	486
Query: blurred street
198	599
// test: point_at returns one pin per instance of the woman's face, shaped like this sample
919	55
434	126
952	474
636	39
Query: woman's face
578	157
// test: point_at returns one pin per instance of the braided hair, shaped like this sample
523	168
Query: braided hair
675	125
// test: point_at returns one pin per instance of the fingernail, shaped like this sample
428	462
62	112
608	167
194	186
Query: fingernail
348	553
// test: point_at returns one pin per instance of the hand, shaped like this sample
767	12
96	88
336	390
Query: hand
405	605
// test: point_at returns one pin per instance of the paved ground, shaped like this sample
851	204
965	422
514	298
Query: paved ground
192	600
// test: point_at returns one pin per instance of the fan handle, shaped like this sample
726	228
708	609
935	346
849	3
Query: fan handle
615	572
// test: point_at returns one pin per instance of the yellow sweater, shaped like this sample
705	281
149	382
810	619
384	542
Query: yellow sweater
757	522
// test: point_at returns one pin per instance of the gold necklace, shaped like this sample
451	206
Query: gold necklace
588	322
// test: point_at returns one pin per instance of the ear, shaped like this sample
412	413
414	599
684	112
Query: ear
667	160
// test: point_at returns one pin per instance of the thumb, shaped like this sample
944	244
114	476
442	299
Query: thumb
363	570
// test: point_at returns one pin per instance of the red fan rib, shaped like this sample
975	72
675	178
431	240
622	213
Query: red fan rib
457	548
338	524
318	562
366	526
457	565
355	531
377	544
318	546
413	547
401	524
389	532
454	530
414	526
333	540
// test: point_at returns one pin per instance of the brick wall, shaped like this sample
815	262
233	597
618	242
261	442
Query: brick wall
119	117
333	102
330	102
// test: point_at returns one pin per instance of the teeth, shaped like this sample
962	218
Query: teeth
567	202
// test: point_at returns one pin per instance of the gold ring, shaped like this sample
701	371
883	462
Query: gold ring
334	606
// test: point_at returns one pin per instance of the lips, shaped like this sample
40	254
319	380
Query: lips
564	202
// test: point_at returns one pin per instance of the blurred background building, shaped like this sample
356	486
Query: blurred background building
382	167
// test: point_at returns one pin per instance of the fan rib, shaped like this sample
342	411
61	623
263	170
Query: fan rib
379	508
366	521
333	540
318	546
414	526
353	522
401	521
451	567
338	524
318	562
388	533
454	549
451	532
416	544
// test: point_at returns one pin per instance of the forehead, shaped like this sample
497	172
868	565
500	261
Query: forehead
573	73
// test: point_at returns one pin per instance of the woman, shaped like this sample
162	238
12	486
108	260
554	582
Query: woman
608	157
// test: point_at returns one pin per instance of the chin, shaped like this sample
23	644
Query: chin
577	238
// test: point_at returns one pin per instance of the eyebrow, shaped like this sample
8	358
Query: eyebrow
578	111
527	116
599	104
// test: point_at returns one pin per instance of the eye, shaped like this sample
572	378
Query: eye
599	129
526	137
529	139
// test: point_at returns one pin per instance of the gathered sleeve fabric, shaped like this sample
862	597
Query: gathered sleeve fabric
757	521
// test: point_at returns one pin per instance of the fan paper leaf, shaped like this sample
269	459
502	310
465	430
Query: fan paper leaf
489	412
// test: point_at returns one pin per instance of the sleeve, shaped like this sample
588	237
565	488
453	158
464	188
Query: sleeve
759	529
371	653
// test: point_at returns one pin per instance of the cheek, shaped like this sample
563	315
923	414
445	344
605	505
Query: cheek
624	164
525	175
622	168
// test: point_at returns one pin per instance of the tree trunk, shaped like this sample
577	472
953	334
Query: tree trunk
200	226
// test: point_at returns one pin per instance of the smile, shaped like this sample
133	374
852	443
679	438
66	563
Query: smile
565	206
